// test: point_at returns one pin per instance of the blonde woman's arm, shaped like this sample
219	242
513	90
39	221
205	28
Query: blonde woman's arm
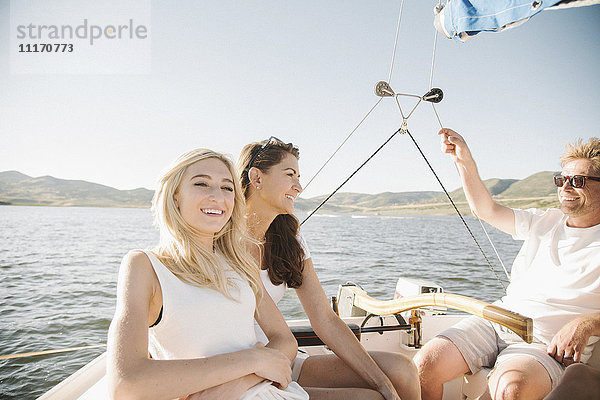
274	326
132	375
280	338
337	336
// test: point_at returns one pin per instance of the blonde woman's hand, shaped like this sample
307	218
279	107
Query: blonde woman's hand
230	390
389	393
273	365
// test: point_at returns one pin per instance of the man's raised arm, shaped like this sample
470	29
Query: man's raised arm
479	198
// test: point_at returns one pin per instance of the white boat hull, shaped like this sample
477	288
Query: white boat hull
89	383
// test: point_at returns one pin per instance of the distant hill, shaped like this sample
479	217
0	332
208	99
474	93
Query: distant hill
348	202
536	185
495	186
537	190
534	191
18	188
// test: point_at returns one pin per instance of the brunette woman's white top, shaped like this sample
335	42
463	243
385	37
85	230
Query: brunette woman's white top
201	322
277	291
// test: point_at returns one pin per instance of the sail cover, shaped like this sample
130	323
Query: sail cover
463	19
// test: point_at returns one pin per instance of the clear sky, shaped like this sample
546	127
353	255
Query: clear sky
224	73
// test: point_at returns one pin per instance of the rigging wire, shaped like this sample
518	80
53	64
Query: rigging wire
372	108
396	42
441	127
351	175
456	209
437	116
434	52
343	142
404	129
492	243
480	222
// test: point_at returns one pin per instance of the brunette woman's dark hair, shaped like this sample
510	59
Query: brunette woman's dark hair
283	253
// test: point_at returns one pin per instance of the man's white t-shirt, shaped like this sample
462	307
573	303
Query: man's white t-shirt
556	275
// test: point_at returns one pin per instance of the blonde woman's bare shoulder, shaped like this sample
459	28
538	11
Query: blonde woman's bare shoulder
137	263
136	255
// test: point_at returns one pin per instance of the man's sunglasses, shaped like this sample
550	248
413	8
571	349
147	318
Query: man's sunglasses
577	181
264	146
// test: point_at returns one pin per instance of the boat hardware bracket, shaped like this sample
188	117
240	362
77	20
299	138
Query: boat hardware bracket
368	317
404	126
433	96
383	89
415	321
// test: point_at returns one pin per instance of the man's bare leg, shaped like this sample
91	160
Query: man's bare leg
438	362
519	377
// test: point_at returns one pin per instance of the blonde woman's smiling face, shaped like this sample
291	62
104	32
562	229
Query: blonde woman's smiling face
206	195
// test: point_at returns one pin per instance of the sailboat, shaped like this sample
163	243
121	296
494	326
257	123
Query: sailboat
415	313
402	325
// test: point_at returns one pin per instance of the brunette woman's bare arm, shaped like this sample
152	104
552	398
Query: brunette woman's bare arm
335	333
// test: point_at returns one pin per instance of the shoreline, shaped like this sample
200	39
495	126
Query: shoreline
438	208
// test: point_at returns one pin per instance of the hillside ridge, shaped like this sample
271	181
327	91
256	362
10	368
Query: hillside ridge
536	190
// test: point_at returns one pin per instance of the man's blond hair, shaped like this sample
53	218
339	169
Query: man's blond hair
589	150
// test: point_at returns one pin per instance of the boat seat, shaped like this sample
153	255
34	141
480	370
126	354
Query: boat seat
473	386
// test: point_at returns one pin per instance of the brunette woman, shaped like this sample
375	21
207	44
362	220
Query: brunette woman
270	175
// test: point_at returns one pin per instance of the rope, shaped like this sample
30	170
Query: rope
372	108
476	216
433	57
396	41
492	243
345	140
351	175
40	353
456	209
437	116
404	129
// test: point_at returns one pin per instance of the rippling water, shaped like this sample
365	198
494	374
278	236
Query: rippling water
58	273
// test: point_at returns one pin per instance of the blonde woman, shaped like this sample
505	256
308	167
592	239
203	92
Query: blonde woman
192	300
270	179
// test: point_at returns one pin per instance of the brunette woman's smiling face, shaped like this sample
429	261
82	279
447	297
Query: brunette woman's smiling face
205	196
281	185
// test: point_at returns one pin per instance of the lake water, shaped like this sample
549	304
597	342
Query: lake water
58	274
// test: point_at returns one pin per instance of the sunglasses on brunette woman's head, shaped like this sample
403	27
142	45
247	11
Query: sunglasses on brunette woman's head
270	140
577	181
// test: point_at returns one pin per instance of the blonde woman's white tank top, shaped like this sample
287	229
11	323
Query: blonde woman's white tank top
201	322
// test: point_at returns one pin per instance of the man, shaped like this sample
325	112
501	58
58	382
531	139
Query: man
555	280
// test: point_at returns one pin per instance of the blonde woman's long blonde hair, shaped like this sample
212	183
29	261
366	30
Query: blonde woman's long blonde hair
179	248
